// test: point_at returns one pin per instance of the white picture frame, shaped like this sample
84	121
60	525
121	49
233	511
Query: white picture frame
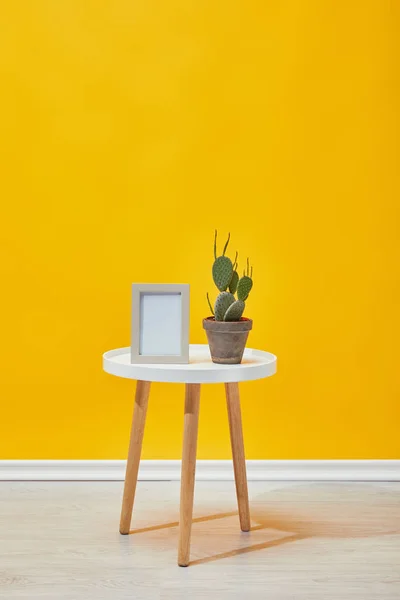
160	323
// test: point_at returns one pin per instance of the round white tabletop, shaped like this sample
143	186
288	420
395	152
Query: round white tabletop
256	364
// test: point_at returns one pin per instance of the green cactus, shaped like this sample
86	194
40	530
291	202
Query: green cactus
235	311
222	303
225	277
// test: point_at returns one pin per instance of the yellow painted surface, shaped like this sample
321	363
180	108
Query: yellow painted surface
130	130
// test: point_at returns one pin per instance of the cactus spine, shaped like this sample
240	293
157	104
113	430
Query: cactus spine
225	276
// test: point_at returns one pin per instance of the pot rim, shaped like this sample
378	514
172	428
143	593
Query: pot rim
240	320
210	324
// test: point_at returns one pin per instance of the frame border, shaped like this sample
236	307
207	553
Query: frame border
162	288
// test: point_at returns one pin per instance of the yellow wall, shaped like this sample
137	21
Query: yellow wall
129	131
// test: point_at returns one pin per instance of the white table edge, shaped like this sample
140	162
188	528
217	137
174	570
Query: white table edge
184	374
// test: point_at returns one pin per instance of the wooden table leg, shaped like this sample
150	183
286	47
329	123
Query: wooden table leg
239	464
191	422
135	448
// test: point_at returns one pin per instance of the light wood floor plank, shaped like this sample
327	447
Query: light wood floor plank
309	541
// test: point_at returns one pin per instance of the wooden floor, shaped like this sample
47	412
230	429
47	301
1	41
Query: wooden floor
309	541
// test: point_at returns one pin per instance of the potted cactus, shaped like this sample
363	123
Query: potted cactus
227	330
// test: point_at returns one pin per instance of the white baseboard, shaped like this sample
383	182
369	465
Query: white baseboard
206	470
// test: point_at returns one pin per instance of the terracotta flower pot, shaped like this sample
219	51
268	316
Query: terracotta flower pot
227	339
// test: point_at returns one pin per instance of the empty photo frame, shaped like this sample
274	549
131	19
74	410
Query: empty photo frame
160	323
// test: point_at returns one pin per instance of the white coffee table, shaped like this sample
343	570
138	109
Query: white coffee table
256	365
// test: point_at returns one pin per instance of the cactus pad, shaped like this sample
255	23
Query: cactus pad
244	286
235	311
222	303
234	282
222	271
